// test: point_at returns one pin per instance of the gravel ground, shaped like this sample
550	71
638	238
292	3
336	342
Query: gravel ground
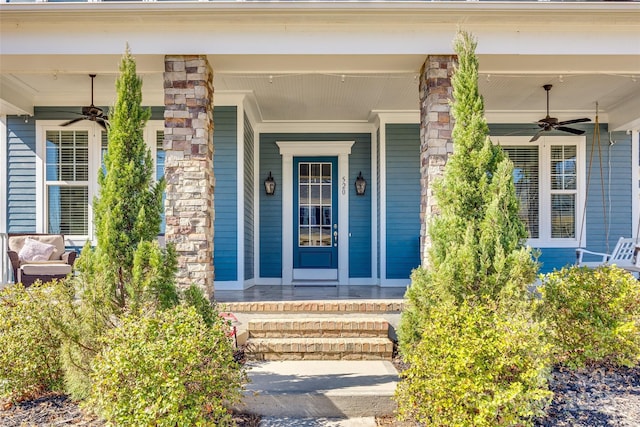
596	396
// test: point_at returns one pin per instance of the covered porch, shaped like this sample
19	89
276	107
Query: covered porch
362	87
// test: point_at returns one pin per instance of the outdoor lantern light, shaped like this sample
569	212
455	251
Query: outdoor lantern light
270	185
361	185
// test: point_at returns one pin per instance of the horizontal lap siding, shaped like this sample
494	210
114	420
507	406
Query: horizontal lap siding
270	208
248	200
225	167
617	168
616	174
403	199
21	175
359	207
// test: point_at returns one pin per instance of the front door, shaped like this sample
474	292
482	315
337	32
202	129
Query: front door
315	228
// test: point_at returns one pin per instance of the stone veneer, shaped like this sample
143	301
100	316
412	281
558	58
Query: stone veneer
436	145
188	144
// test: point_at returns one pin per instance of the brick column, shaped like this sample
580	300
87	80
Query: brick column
436	125
188	143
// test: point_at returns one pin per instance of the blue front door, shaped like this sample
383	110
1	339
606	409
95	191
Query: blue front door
315	204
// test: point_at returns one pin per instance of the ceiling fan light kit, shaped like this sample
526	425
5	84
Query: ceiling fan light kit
91	112
551	123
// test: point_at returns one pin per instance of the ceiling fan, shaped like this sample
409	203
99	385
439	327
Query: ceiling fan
551	123
93	113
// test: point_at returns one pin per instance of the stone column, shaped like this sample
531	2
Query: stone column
436	145
188	143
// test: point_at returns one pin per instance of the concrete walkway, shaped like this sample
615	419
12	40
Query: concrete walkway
281	390
318	422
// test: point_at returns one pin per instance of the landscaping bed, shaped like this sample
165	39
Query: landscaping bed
596	396
599	395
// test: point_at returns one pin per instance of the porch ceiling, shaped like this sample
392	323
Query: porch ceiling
344	87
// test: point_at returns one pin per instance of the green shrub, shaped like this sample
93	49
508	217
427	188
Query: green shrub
166	369
475	366
29	349
194	297
593	315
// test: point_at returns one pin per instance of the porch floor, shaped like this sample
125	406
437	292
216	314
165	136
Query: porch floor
307	292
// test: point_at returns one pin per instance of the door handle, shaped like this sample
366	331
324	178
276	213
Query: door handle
335	235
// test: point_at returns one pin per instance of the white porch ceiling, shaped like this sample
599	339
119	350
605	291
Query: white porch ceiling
343	88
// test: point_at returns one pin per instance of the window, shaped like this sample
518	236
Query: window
549	180
68	160
67	181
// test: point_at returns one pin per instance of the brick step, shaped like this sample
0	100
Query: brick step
319	348
335	306
319	327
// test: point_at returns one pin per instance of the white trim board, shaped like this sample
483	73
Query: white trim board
3	173
289	149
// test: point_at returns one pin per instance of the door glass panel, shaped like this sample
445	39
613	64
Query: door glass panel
314	204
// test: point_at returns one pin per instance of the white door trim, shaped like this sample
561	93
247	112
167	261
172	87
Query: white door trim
289	149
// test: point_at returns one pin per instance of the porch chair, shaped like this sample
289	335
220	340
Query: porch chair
625	255
39	257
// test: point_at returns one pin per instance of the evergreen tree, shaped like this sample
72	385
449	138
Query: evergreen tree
127	271
477	239
475	354
128	210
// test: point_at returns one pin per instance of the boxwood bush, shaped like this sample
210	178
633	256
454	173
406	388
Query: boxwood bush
593	315
29	348
475	366
167	368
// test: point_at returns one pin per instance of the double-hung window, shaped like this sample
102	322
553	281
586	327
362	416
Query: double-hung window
67	181
549	176
68	160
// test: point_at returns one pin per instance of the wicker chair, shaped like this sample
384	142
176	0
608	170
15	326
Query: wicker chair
39	257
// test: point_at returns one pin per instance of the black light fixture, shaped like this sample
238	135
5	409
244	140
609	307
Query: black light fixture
361	185
270	185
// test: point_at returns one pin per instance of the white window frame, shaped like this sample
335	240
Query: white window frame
544	186
95	145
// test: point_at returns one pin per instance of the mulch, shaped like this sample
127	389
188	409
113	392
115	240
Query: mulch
54	410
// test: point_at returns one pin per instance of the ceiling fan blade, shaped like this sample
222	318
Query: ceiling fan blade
568	122
70	122
570	130
536	136
103	123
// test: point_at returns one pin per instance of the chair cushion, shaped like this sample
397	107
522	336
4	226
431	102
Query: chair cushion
16	243
46	269
33	250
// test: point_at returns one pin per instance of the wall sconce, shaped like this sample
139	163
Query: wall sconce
361	185
270	185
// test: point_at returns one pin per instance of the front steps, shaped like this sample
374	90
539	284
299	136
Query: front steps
317	330
341	338
318	358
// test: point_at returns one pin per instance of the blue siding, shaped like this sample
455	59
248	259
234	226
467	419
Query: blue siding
360	208
21	179
403	199
248	201
271	206
225	167
617	168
